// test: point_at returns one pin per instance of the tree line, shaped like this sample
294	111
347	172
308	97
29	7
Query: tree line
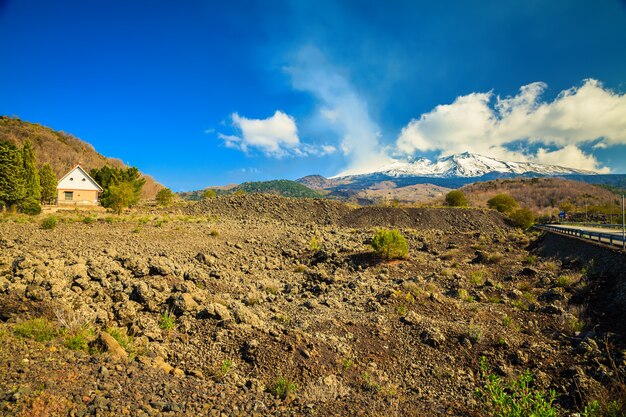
25	188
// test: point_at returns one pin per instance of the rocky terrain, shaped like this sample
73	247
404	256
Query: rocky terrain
259	305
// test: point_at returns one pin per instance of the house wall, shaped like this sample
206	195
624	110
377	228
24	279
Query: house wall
80	197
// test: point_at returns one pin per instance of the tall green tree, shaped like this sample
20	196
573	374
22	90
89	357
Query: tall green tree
48	181
108	176
31	203
12	184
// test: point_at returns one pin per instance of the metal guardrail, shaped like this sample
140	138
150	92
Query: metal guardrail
610	238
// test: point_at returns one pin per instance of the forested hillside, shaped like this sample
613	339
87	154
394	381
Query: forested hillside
62	150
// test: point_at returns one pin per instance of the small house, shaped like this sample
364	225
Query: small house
77	188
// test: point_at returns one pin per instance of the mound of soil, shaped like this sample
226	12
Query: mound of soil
289	210
449	220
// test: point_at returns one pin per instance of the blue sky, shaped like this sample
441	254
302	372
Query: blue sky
201	93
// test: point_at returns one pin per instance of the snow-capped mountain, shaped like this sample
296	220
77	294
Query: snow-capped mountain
464	165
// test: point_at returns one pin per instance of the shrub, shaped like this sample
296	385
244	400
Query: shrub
390	244
49	222
165	197
209	193
283	387
523	218
30	206
517	398
504	203
456	198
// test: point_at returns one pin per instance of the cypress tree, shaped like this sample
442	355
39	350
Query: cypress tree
12	183
48	181
31	203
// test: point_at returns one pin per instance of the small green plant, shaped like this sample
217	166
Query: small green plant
315	244
167	320
369	383
137	229
347	364
464	295
225	368
121	337
531	259
401	310
109	219
40	329
214	233
160	222
390	244
507	321
49	222
518	398
283	387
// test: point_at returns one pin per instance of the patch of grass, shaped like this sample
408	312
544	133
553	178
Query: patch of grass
283	387
160	222
530	297
214	233
89	219
531	259
477	277
40	329
299	268
518	398
368	382
143	219
137	229
346	364
495	258
401	310
49	222
167	320
109	219
494	299
507	321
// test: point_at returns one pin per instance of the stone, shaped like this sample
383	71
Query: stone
107	343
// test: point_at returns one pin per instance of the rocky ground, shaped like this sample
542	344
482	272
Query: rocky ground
254	305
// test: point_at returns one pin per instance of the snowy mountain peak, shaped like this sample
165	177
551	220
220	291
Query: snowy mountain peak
465	165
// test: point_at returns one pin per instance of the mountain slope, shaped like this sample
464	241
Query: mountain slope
62	150
465	165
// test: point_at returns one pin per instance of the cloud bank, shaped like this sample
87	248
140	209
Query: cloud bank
276	136
491	125
339	107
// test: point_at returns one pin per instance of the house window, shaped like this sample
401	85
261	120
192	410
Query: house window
69	195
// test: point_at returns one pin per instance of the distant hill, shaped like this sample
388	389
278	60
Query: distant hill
62	150
284	188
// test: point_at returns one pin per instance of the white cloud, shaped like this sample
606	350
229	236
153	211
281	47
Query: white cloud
576	117
340	107
276	136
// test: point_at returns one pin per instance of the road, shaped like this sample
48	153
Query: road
594	233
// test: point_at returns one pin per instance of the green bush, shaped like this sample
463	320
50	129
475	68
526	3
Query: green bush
167	320
523	218
456	198
504	203
30	206
49	222
390	244
89	220
165	197
518	398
